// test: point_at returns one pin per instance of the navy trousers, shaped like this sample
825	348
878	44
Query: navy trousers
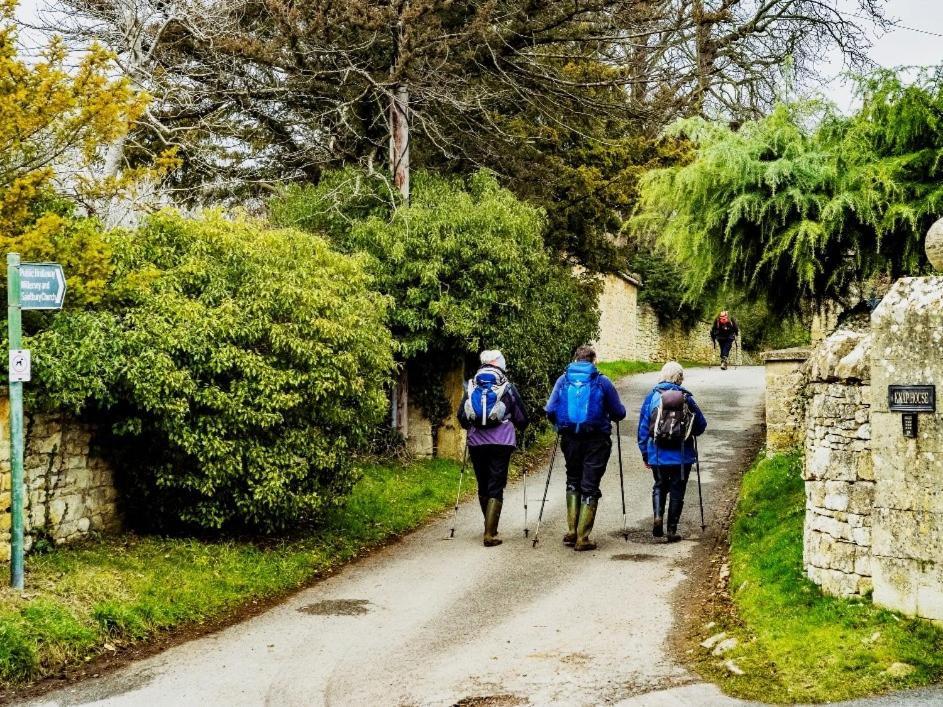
587	456
670	483
491	462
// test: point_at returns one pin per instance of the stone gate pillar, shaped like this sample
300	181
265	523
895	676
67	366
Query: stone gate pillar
907	539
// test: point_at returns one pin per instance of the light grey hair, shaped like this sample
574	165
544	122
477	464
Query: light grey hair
672	372
493	358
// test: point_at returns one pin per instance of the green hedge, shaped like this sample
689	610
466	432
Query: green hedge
235	367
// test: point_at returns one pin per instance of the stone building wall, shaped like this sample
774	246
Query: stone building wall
839	477
785	415
908	503
618	319
70	491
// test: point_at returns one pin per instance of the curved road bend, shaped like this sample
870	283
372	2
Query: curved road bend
429	621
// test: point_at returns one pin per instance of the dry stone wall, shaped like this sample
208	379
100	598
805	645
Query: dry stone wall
70	491
785	416
908	502
839	478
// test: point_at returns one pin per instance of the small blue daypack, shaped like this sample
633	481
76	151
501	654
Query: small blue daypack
484	406
580	402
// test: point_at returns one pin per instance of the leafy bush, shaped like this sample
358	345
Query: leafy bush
466	265
236	365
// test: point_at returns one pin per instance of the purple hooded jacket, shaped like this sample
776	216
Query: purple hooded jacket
504	434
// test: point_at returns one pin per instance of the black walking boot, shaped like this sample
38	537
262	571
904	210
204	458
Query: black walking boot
572	516
492	516
674	516
723	363
658	527
483	502
585	525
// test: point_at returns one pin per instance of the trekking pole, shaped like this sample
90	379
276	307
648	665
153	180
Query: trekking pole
546	489
700	495
458	495
526	530
625	532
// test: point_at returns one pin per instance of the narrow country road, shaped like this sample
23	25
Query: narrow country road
429	621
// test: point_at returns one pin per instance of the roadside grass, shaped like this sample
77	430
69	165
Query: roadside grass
796	644
620	369
96	598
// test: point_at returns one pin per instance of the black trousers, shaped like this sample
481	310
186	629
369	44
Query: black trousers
725	345
670	483
587	456
491	462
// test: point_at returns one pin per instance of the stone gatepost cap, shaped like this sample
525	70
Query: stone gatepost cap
934	245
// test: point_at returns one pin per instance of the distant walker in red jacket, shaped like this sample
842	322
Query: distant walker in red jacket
724	332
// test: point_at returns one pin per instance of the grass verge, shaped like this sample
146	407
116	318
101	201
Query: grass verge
90	600
620	369
794	643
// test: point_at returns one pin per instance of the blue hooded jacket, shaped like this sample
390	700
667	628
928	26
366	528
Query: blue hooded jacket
604	408
652	454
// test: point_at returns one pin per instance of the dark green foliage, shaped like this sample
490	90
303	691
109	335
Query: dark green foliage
779	208
663	284
466	266
234	365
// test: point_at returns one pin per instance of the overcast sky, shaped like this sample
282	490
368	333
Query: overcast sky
917	41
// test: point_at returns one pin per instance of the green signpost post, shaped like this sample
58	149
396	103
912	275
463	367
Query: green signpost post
29	286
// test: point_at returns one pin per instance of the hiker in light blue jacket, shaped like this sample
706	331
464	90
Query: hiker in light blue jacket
668	423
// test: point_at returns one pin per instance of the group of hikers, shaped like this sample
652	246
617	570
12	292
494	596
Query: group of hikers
582	406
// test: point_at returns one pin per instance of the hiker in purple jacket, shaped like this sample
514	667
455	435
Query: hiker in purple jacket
493	413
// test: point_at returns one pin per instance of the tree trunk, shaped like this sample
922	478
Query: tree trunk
399	165
399	141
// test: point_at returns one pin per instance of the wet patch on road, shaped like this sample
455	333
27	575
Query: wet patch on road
639	536
634	557
107	688
491	701
337	607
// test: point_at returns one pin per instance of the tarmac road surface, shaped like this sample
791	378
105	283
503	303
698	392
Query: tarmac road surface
430	621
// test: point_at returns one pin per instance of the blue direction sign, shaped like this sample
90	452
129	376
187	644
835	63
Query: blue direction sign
42	286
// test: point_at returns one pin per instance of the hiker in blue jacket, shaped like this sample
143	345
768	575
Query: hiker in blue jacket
668	423
582	406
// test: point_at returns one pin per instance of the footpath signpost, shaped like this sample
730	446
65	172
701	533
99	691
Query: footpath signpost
29	286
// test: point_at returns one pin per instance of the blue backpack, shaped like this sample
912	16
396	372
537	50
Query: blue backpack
580	403
484	406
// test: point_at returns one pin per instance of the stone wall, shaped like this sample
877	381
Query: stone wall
618	319
839	478
694	344
785	416
70	490
908	503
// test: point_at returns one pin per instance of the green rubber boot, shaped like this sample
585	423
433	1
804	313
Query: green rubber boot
585	525
492	516
572	515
